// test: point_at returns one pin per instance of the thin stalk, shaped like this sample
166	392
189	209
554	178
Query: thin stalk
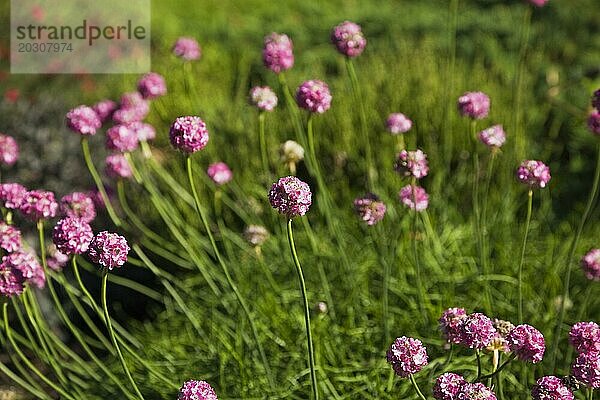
263	142
500	368
414	384
291	105
311	356
420	291
484	230
478	355
524	245
590	394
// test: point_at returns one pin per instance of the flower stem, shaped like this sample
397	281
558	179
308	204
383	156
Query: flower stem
420	291
524	245
414	383
500	368
263	142
478	355
484	230
311	356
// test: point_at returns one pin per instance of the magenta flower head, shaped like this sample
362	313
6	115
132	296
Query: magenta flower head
13	195
533	173
11	280
72	236
54	258
78	205
290	196
450	323
39	204
83	120
189	134
585	337
407	356
538	3
277	52
591	264
105	109
527	343
187	48
493	136
348	39
447	386
596	100
118	167
475	105
152	85
143	131
370	208
121	138
263	97
196	390
314	96
594	122
586	369
412	163
219	172
398	123
9	150
550	388
475	391
108	250
132	107
476	331
10	237
414	197
27	264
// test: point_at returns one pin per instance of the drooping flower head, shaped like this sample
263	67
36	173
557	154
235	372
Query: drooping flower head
414	197
263	97
108	250
369	208
407	356
450	322
550	388
143	131
534	173
187	48
290	196
83	120
189	134
152	85
39	204
78	205
121	138
256	235
219	173
348	39
493	136
447	386
105	109
585	337
28	265
527	343
10	237
132	107
117	166
196	390
475	391
54	258
586	369
398	123
591	264
9	150
476	331
594	122
72	236
412	163
13	195
475	105
314	96
277	52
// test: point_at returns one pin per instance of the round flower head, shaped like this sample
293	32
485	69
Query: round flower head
412	163
187	48
72	236
256	235
586	369
39	204
196	390
475	105
11	280
291	152
54	258
10	237
277	52
475	391
411	194
263	98
290	196
585	337
447	386
398	123
132	107
596	100
118	167
27	264
108	250
348	39
314	96
78	205
121	138
9	150
550	388
143	131
105	109
369	208
188	134
591	264
13	195
152	85
407	356
527	343
450	323
534	173
476	331
83	120
538	3
493	136
594	122
220	173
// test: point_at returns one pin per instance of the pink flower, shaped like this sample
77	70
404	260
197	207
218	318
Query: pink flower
586	368
143	131
476	331
72	236
196	390
277	52
534	173
407	356
54	258
187	48
9	150
83	120
10	237
290	196
412	163
152	85
475	391
13	195
550	388
118	167
39	204
447	386
189	134
132	107
591	264
475	105
370	208
585	337
104	109
527	343
27	264
263	98
493	136
411	193
108	250
450	324
398	123
348	39
121	138
314	96
219	172
538	3
78	205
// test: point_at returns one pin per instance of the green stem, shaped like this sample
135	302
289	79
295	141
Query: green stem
420	291
478	355
484	229
263	142
414	384
500	368
524	245
311	355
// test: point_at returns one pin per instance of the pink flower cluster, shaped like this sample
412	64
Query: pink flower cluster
196	390
152	85
407	356
348	39
108	250
188	134
290	196
370	208
10	237
187	48
117	166
314	96
277	52
533	173
121	138
475	105
591	264
414	197
585	338
17	269
219	173
72	236
551	388
9	150
412	163
398	123
83	120
493	136
527	343
263	97
132	107
78	205
39	204
447	386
